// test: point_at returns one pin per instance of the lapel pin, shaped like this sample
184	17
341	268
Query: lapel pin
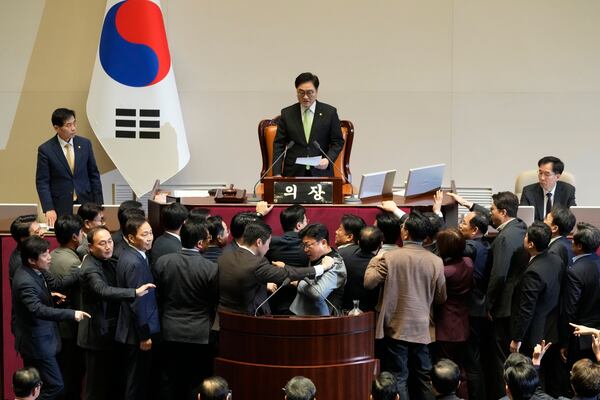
78	147
320	114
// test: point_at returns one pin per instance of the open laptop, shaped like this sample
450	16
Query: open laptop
527	214
376	184
424	180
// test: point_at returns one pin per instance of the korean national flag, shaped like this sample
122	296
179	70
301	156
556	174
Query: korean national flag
133	104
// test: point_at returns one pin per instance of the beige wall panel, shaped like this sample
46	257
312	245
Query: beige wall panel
526	46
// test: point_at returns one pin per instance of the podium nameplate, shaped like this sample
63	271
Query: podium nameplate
298	192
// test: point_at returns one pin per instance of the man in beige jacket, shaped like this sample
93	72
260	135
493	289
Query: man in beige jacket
412	280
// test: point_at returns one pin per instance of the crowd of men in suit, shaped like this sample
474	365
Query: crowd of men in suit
138	316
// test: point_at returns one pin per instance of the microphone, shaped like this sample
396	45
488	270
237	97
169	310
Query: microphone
318	146
337	311
285	282
352	198
257	199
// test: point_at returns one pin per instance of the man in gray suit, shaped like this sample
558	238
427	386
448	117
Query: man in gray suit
316	296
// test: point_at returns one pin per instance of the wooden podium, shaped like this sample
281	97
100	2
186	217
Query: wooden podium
258	355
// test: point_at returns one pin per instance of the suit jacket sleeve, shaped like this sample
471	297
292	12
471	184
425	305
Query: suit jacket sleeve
94	177
570	304
267	272
58	283
499	270
337	139
99	287
531	287
440	286
28	292
42	180
376	272
134	279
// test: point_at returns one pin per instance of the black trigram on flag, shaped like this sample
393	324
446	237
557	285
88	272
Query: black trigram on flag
127	123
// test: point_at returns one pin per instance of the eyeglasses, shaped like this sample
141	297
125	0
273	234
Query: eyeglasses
306	245
309	93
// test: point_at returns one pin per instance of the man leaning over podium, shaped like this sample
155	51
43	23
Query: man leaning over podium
306	123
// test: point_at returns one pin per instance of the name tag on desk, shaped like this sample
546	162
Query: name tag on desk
303	192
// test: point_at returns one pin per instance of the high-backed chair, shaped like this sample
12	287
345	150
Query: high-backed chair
528	177
267	128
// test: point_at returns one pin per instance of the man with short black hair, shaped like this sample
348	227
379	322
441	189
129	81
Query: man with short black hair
413	280
582	294
389	224
384	387
219	236
34	318
27	384
187	297
173	217
323	294
445	378
369	242
245	272
117	236
214	388
347	234
561	221
305	123
92	215
549	191
66	172
237	226
300	388
20	229
521	381
120	244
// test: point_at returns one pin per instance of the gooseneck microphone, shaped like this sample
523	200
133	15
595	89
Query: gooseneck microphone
318	147
285	282
256	199
351	198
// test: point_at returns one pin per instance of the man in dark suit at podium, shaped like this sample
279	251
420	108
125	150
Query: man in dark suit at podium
549	191
304	123
66	169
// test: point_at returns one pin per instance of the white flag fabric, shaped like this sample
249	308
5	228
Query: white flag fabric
133	104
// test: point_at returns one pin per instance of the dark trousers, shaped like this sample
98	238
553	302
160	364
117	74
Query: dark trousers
104	375
138	366
479	338
555	374
501	350
184	367
50	374
72	364
400	357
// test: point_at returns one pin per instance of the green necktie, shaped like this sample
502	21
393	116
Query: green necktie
307	120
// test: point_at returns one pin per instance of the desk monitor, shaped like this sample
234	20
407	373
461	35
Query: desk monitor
8	213
587	214
376	184
527	214
424	180
110	216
